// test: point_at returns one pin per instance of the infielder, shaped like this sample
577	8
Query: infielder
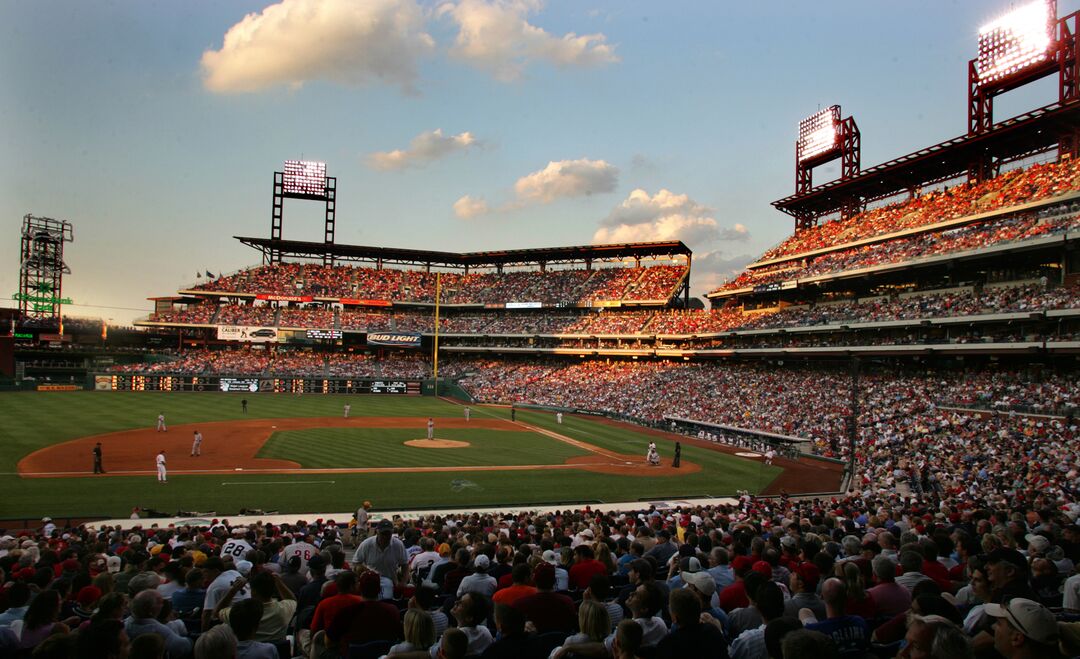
430	428
98	469
196	445
347	408
468	413
161	423
161	475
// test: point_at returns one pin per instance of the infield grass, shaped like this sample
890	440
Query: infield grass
33	420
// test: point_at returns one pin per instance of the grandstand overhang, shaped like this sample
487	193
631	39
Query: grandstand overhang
1030	133
468	260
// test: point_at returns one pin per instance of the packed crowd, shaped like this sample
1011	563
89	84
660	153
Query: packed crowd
1018	297
988	570
983	234
1010	188
550	287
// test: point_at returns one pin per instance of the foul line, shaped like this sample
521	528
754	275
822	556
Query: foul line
278	483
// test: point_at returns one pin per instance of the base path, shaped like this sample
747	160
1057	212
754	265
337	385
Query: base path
231	446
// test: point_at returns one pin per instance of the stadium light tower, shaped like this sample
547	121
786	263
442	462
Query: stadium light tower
302	179
823	137
1020	47
42	268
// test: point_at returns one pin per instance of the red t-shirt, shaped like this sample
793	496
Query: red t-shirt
581	573
328	609
512	594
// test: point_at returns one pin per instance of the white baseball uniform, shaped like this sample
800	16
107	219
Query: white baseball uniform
161	423
430	429
558	417
161	475
468	412
196	444
347	408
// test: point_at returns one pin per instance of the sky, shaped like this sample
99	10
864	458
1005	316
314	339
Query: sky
155	127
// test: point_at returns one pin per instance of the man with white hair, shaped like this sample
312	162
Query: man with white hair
145	608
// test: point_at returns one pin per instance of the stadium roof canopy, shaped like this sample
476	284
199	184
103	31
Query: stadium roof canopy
1026	134
494	259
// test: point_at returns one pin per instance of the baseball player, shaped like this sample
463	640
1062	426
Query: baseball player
558	418
161	475
196	445
243	405
98	469
161	423
347	409
430	428
468	413
769	455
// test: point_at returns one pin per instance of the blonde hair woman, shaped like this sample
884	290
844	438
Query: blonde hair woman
419	629
594	623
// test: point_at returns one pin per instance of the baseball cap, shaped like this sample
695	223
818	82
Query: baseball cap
762	568
481	562
1010	556
703	581
809	573
243	567
367	578
690	564
385	525
1039	542
317	562
550	556
113	564
1031	619
742	563
88	595
544	575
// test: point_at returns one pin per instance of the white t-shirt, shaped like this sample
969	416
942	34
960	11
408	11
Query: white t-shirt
218	587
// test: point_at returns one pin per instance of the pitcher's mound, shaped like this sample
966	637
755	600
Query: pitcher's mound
436	443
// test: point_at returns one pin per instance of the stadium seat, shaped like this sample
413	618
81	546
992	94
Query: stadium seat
369	650
543	644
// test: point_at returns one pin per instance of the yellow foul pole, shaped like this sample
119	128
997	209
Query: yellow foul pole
438	295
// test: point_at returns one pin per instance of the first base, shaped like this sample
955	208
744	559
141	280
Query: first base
239	469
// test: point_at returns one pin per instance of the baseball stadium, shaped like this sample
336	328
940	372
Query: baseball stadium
893	387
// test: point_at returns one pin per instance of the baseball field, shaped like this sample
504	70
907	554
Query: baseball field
299	454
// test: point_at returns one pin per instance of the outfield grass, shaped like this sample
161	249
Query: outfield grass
33	420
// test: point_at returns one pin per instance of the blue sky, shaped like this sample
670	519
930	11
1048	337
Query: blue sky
155	127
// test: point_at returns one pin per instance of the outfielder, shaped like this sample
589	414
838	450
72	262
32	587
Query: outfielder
161	423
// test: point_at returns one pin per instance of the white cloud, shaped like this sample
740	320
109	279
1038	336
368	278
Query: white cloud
665	216
297	41
566	178
669	216
710	269
496	37
469	207
423	149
